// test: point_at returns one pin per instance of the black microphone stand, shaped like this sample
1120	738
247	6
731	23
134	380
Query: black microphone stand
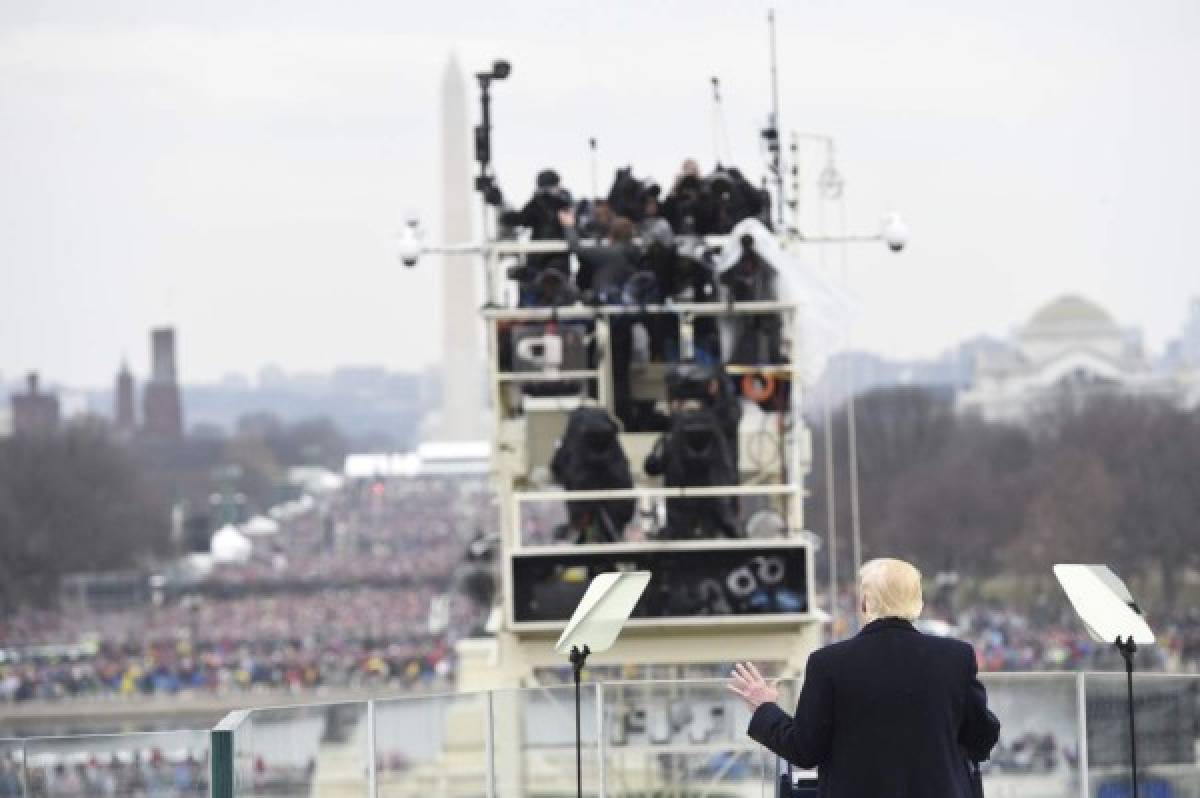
578	657
1127	649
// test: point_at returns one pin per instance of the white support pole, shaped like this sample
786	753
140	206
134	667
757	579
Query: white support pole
1085	789
601	740
489	747
830	508
24	774
372	756
855	517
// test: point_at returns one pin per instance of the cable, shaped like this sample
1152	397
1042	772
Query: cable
851	424
830	503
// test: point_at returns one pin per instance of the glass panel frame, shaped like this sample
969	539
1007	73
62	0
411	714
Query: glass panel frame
534	740
684	735
1167	720
433	745
303	749
12	768
145	764
1062	735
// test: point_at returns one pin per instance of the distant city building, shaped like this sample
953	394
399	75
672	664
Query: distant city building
1183	357
1189	343
34	412
1069	348
1184	351
162	406
124	414
855	373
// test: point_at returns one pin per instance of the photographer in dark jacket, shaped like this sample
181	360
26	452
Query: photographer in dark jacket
689	207
889	713
540	216
590	457
604	270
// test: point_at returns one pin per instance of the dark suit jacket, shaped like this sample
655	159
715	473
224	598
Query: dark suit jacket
603	268
890	713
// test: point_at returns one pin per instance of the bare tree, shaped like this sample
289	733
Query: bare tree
71	501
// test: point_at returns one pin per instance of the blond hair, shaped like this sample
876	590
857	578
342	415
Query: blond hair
891	589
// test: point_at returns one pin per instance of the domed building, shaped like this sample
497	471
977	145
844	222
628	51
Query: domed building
1069	348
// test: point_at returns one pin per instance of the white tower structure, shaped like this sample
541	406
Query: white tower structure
463	410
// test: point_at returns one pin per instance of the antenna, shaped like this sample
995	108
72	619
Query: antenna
721	144
592	155
716	96
793	202
771	133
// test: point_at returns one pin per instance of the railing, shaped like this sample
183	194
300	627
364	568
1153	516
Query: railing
1063	736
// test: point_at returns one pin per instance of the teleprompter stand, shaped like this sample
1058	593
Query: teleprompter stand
1127	648
578	658
594	627
1111	616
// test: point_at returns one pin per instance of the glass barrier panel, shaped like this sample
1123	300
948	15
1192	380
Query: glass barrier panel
301	751
12	769
534	741
1167	708
683	738
432	746
151	765
1038	752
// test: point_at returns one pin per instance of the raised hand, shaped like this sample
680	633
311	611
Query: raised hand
746	681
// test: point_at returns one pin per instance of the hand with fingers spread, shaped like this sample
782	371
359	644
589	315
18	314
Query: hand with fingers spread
746	681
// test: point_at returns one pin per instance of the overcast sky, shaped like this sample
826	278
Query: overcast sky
239	169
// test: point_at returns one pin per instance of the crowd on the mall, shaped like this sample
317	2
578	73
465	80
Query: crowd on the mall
373	601
1007	640
331	638
377	601
1046	637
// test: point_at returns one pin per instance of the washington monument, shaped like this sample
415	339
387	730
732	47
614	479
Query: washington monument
463	408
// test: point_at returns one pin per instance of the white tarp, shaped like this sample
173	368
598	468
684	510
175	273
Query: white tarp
261	526
826	308
229	545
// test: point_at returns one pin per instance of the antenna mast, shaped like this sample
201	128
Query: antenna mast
716	96
592	154
771	133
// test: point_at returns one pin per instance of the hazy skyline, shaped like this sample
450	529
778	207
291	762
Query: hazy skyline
239	171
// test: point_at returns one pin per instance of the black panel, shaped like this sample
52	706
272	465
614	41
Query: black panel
741	581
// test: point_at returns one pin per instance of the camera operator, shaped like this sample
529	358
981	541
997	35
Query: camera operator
695	453
688	207
757	338
604	271
661	260
628	195
540	216
734	198
604	268
590	457
594	219
707	385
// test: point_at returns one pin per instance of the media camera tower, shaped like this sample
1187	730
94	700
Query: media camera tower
747	595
